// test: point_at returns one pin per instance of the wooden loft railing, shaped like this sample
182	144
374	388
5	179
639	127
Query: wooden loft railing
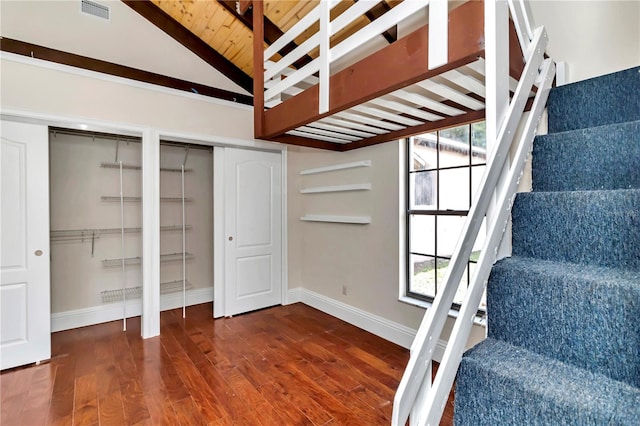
393	93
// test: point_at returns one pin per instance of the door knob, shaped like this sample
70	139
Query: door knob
38	253
230	238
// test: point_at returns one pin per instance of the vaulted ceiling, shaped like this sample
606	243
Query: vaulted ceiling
221	33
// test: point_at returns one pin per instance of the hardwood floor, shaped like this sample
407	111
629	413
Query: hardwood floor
287	365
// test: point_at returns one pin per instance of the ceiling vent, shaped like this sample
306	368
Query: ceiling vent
95	9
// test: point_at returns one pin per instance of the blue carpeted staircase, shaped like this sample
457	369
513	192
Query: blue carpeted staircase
563	342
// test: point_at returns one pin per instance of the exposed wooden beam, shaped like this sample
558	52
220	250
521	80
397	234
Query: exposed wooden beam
308	142
65	58
271	31
258	71
396	66
173	28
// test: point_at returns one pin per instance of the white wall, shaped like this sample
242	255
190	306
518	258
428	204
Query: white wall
324	257
60	90
593	37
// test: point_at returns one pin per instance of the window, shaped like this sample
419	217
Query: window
444	170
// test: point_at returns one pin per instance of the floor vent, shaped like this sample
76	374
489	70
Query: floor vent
95	9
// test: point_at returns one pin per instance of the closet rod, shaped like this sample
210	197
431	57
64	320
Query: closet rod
101	135
123	138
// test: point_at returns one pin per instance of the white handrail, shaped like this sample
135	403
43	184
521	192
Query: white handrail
462	327
522	22
417	395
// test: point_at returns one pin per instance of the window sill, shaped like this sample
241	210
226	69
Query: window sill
453	313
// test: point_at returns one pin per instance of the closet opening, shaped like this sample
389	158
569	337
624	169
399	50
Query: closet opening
95	192
186	224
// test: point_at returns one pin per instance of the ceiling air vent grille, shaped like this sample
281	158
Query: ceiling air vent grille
95	9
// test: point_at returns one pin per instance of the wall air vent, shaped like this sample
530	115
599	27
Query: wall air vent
95	9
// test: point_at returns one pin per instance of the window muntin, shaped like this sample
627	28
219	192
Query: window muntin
444	171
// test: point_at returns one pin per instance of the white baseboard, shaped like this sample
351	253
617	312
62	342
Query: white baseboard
294	295
194	297
113	311
392	331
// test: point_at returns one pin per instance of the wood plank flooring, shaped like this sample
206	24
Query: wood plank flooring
287	365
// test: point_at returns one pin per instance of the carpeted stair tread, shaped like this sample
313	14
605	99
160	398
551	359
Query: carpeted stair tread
581	314
605	157
608	99
502	384
563	311
599	228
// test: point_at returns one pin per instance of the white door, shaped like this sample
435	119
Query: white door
25	322
253	230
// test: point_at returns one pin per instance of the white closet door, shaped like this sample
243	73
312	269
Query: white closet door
253	230
25	322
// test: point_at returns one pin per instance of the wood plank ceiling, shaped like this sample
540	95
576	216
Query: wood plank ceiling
218	24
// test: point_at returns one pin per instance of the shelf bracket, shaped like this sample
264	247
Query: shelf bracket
117	146
186	154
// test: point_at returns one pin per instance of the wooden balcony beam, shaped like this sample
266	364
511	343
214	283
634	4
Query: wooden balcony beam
396	66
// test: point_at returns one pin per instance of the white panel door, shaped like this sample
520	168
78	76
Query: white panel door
25	322
253	230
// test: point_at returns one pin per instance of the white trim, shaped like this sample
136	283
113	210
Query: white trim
14	57
389	330
212	140
150	324
295	295
193	297
113	311
284	299
218	231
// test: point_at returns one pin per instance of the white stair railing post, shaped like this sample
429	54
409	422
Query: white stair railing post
438	33
325	56
496	15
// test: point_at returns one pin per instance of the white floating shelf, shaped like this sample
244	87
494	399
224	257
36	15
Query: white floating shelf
337	188
363	163
359	220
